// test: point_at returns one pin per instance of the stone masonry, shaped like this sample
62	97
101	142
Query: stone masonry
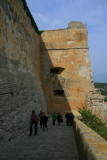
48	71
56	143
65	66
20	85
95	103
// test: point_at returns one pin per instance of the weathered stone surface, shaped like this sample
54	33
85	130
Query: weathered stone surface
20	85
56	143
76	25
95	103
64	39
68	49
91	146
24	70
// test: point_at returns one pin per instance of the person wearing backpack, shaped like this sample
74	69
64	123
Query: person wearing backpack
33	123
44	119
59	118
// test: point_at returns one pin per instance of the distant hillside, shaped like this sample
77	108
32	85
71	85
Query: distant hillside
102	87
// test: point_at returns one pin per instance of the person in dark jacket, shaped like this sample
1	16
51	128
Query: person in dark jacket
59	118
44	119
33	122
67	118
71	118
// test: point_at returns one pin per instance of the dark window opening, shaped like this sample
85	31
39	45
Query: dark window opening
59	92
56	70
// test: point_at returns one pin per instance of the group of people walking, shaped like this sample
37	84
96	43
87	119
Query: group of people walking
34	119
42	119
57	117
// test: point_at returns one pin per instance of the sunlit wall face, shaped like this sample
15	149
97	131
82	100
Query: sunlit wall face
66	89
56	14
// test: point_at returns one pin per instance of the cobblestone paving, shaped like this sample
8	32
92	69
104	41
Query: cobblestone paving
56	143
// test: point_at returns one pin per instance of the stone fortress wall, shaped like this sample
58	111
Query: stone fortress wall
20	84
66	67
48	71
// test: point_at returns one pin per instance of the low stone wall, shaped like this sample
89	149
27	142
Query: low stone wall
91	146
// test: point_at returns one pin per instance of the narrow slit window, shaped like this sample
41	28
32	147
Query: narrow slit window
56	70
59	92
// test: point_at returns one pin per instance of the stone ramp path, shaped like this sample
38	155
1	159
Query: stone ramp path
57	143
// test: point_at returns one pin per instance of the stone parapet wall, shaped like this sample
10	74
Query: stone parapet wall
91	146
64	39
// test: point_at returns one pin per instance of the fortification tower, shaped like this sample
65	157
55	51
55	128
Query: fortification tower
65	67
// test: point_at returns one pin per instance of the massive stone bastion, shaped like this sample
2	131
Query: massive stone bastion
49	71
20	84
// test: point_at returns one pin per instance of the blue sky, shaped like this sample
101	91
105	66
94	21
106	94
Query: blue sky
56	14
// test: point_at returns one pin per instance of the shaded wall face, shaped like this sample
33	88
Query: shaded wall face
66	49
20	86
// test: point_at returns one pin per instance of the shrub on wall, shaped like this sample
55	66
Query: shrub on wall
94	122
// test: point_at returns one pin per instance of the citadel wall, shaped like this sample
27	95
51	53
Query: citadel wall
20	85
66	70
58	62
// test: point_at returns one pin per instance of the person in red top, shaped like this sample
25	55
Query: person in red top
33	122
